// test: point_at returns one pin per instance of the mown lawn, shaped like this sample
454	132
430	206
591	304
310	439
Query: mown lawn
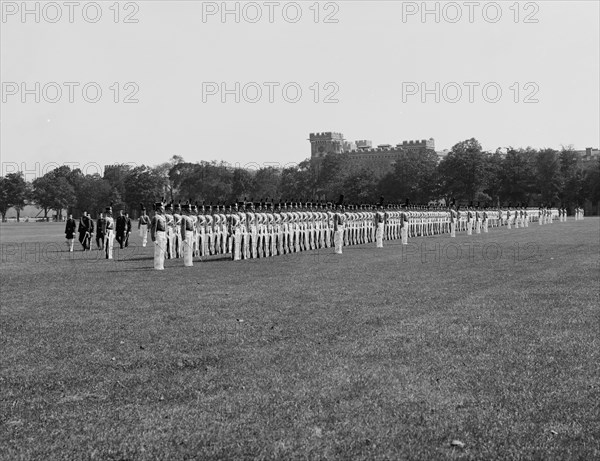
491	339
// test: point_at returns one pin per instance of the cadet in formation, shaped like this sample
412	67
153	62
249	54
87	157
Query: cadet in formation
158	234
248	229
143	225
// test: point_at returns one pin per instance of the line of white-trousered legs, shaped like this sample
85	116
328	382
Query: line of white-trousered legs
246	235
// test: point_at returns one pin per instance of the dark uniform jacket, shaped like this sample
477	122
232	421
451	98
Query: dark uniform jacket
86	224
101	227
121	225
70	228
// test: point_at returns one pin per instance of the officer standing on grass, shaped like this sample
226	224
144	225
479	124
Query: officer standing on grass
121	228
158	234
470	220
339	224
453	220
379	221
70	232
109	233
170	230
100	231
187	236
86	229
177	217
143	225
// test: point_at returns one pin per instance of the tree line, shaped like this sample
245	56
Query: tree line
466	174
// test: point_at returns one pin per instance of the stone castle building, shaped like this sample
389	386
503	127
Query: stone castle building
383	157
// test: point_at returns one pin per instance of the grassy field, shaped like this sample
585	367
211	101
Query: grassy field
391	353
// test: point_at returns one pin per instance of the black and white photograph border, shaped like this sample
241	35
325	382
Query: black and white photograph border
299	229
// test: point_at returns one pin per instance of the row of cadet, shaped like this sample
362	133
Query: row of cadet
249	230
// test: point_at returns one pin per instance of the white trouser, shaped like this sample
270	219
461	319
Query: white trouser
188	249
170	240
338	240
144	234
160	248
109	239
379	235
237	245
178	251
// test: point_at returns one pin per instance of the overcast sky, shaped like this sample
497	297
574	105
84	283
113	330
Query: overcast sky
369	59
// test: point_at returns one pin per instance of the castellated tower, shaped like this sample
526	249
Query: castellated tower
362	153
322	144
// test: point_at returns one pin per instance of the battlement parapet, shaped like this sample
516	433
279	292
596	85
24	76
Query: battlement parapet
333	142
417	141
326	135
374	150
423	143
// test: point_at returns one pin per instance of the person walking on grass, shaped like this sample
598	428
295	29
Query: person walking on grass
70	232
86	230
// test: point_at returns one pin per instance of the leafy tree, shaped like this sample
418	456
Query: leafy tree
463	171
266	184
242	183
165	169
42	194
591	183
572	177
94	194
494	168
178	175
17	192
3	198
361	187
77	179
208	182
143	184
116	176
517	179
300	181
548	177
415	177
54	191
329	176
